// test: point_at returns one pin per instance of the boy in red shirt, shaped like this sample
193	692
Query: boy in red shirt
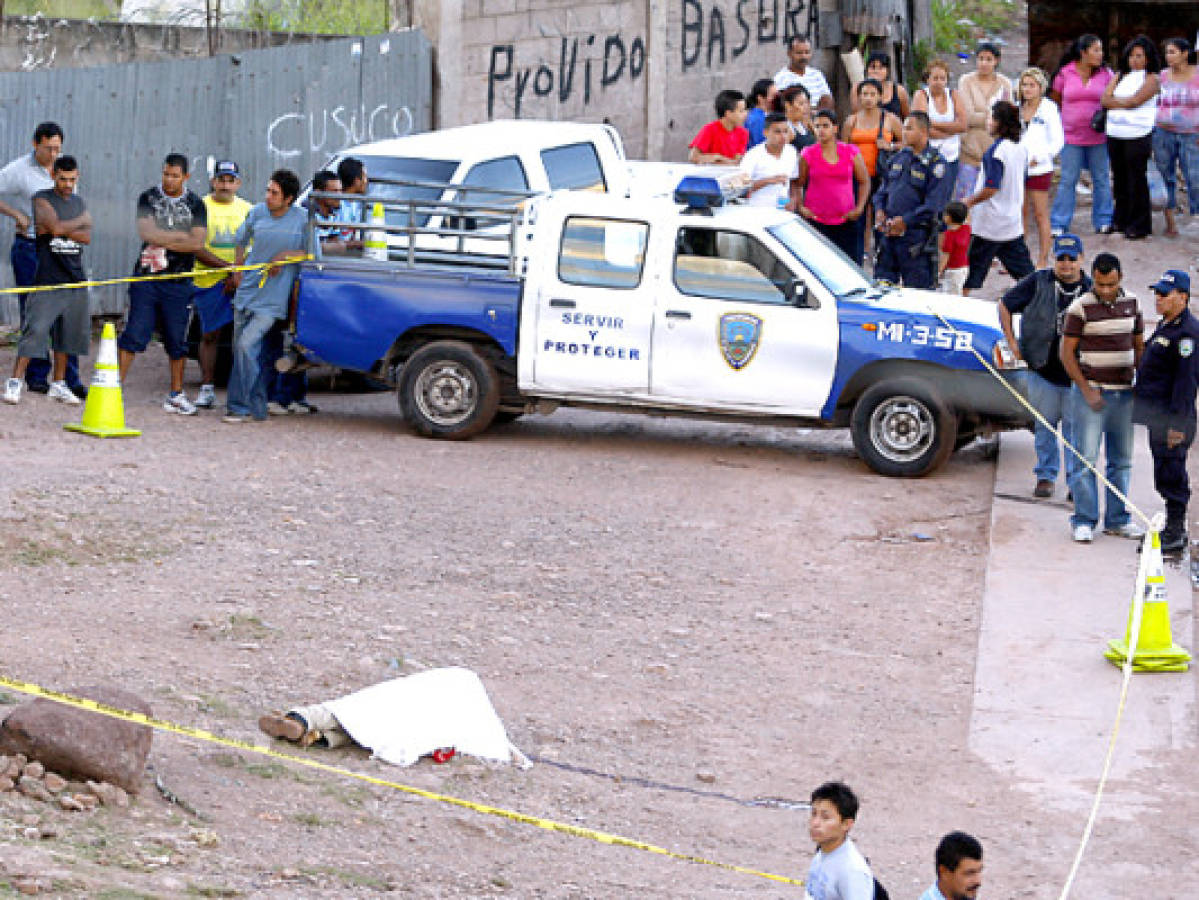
722	142
955	247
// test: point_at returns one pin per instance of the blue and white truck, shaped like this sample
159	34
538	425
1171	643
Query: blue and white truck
678	304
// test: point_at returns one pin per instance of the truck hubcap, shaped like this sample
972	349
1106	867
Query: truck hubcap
445	393
902	429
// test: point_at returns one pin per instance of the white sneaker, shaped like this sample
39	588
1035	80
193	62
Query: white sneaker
178	403
12	391
206	399
1129	530
277	409
1084	534
63	394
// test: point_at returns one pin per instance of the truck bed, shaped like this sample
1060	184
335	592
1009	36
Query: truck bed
349	313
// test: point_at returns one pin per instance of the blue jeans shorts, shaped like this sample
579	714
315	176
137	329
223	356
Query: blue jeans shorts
162	306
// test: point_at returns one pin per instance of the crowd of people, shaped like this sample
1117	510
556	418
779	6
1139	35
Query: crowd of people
989	143
181	233
950	179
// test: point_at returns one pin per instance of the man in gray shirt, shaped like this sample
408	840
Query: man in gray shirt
19	181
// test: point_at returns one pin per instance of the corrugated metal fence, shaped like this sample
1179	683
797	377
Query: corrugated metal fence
284	107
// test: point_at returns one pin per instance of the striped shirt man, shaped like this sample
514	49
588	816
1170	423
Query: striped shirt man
1107	337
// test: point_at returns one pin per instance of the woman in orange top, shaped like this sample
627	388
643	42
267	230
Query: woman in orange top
872	129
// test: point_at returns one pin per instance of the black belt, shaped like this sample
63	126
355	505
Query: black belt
29	240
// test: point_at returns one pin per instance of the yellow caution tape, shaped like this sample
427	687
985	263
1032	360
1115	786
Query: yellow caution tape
26	687
130	279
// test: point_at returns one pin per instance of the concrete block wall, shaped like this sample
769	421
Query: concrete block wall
652	68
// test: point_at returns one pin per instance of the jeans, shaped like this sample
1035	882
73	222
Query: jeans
1050	401
247	381
284	388
1112	426
1130	184
1173	150
1074	159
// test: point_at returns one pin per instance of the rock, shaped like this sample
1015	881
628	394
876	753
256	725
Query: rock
33	787
55	784
32	834
706	777
87	801
77	743
27	886
34	769
69	803
14	767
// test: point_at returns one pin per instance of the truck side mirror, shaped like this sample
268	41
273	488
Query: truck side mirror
797	293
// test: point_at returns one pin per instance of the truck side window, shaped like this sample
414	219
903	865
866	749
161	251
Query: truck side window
607	253
504	174
728	265
574	167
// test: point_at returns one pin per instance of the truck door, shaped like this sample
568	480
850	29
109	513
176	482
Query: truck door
594	311
737	327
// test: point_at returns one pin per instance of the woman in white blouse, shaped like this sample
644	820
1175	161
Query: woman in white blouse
1042	139
1131	104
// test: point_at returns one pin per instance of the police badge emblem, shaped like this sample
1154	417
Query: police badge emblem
740	334
1186	347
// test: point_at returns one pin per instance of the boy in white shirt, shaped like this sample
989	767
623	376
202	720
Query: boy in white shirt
838	871
772	166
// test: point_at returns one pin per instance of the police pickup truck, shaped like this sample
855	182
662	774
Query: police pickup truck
680	304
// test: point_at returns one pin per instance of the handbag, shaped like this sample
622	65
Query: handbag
1099	120
884	156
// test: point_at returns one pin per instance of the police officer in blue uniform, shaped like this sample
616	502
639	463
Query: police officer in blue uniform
1164	399
908	206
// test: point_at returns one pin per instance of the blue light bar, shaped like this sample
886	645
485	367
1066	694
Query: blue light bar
699	192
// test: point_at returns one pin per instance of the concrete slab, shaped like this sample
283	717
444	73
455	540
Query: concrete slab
1044	697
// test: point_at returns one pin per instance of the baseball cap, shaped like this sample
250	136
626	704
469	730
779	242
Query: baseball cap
1173	280
1067	245
226	167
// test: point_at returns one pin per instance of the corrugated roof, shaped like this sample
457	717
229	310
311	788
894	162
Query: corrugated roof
873	17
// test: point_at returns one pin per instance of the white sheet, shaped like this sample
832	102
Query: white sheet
406	718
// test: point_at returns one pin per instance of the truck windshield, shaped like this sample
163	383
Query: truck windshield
381	170
830	266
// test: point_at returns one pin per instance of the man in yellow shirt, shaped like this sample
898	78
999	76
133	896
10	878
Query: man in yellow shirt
226	212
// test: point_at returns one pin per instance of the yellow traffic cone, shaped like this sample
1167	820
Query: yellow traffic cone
104	411
1155	647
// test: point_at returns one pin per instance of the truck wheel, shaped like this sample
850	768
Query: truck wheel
903	428
449	390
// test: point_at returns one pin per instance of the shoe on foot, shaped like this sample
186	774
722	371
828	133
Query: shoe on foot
1043	489
1129	530
63	394
178	403
1083	534
1174	542
278	725
301	408
206	399
277	409
234	419
12	391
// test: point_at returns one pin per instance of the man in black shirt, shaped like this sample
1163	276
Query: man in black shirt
173	224
1041	300
1163	399
62	226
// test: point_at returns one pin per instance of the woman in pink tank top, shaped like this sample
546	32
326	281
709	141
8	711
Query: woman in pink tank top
834	186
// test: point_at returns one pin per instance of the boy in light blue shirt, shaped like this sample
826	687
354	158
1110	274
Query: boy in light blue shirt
838	871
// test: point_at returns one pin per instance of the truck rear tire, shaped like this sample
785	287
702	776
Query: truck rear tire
903	428
449	390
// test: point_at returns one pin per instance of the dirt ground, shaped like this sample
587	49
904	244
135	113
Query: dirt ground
733	611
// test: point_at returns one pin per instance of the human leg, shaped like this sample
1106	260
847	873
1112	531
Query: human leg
1102	202
1189	149
1087	427
247	387
1117	449
981	254
1039	201
1062	211
1139	221
1014	256
1046	399
1166	152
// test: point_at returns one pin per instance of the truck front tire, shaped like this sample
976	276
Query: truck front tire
903	428
449	390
